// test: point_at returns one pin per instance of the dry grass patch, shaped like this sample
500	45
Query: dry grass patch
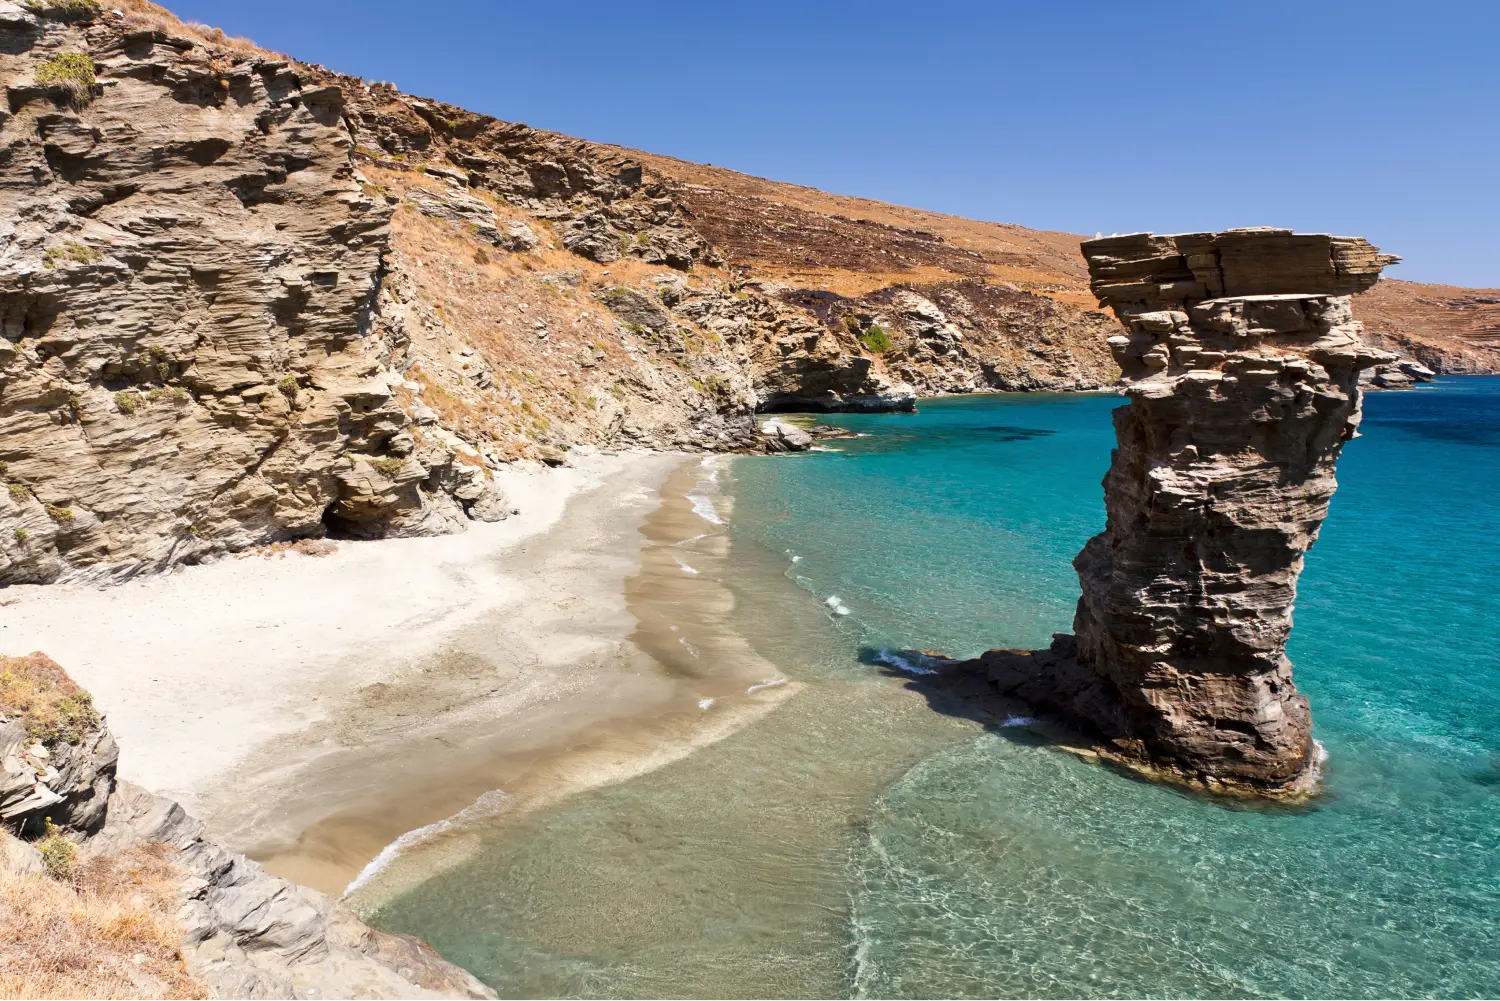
108	932
37	689
144	14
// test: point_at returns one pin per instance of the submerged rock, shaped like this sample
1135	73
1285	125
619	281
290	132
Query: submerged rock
1241	360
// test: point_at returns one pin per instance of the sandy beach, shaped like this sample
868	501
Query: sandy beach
314	710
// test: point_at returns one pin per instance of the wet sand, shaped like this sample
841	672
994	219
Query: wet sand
314	711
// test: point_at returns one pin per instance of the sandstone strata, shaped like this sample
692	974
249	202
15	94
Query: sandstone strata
246	933
1241	361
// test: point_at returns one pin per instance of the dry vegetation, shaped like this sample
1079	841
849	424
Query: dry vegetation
40	691
144	14
106	933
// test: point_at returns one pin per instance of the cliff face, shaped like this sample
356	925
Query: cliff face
1241	364
189	294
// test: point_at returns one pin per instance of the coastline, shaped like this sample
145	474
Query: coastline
316	711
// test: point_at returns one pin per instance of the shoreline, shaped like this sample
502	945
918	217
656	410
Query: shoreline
314	712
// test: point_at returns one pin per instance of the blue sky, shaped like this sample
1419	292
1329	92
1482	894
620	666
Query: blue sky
1369	118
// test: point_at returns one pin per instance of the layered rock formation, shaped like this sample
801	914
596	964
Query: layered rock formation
245	933
190	359
1242	363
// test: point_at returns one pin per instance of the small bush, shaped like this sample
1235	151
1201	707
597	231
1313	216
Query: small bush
129	401
72	72
22	535
70	253
54	708
20	493
59	854
876	339
59	513
851	323
389	468
288	386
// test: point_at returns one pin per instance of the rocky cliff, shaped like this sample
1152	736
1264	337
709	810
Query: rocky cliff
245	299
241	932
1241	361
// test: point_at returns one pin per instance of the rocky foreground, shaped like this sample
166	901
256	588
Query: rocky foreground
1241	361
239	932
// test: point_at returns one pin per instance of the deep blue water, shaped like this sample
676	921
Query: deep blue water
994	868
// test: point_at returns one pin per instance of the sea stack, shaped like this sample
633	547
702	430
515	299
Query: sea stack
1241	361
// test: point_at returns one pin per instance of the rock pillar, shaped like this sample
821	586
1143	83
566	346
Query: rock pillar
1241	362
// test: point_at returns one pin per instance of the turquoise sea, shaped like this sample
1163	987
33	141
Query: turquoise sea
856	843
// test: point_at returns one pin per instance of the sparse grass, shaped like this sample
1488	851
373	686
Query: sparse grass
129	401
876	339
54	707
166	393
59	513
390	468
72	72
22	534
108	932
70	253
20	493
851	323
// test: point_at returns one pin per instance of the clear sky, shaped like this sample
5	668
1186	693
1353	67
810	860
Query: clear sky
1370	118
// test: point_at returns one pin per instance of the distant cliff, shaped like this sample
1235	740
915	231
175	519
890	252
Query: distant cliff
246	299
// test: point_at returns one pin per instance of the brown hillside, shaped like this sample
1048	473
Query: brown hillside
853	246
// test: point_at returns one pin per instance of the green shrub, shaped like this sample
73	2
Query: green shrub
70	253
72	72
129	401
20	493
876	339
389	468
22	535
851	323
59	854
288	386
59	513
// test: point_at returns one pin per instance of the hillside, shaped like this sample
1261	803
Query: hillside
249	300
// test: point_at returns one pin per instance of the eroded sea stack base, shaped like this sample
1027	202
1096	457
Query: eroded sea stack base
1241	363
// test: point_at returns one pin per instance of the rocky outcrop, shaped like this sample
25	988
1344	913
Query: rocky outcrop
246	933
1241	361
190	359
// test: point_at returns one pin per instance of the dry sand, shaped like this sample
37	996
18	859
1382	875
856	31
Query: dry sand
314	709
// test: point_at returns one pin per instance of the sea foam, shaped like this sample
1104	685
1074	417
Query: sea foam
488	805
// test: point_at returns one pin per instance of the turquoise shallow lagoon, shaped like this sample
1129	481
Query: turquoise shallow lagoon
855	843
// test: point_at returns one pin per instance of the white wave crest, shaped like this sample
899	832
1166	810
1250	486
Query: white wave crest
765	684
690	648
705	703
836	606
685	568
488	805
900	663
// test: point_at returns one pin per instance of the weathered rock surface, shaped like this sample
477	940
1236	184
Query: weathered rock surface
247	934
780	436
1241	362
188	359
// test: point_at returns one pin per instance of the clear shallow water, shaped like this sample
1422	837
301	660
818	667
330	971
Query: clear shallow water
854	842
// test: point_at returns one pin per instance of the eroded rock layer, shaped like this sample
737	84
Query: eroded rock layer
1241	363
